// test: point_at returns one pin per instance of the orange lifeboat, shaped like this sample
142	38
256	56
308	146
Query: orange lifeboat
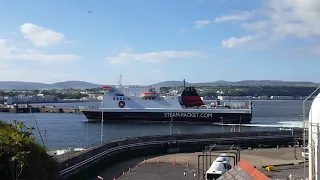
149	94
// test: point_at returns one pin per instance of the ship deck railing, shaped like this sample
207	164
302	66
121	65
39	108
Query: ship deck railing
173	108
245	107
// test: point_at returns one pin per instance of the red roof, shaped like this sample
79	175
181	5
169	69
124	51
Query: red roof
253	172
106	87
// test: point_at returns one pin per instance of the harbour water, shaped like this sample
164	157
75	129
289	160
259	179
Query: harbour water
61	131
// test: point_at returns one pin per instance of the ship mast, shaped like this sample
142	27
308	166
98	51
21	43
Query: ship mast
119	80
184	83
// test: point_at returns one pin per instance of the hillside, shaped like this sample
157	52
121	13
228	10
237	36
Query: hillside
34	85
239	83
82	84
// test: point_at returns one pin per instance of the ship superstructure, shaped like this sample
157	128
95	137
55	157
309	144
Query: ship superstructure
137	97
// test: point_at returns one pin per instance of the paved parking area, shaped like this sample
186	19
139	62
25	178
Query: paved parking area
166	169
297	172
159	171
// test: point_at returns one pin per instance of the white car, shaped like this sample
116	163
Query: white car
305	153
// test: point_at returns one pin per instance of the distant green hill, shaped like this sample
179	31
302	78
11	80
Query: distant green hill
239	83
35	85
82	84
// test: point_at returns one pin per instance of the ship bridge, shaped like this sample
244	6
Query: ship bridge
138	97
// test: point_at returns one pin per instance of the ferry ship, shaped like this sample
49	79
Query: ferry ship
145	104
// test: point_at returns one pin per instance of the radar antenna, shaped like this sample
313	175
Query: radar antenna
119	80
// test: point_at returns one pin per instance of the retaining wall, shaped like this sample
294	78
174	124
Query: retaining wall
181	143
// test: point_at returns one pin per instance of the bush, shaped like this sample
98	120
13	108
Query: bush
21	157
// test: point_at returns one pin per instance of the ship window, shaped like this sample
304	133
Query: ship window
127	98
114	98
117	98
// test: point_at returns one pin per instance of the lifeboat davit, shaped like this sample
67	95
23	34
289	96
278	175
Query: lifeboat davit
149	94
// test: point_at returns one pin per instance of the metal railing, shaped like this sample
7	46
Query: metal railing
306	125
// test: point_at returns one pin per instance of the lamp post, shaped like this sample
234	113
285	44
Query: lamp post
222	123
189	173
102	119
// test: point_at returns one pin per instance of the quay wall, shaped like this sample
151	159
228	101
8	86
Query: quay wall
99	157
41	110
60	110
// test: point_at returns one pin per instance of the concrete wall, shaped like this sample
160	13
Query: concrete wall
191	146
90	170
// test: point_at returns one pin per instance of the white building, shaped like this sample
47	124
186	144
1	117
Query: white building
2	99
282	97
235	98
39	98
263	98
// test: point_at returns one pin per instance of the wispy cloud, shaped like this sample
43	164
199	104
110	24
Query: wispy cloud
154	57
234	17
304	51
233	42
38	73
279	20
9	51
287	18
201	23
223	1
182	30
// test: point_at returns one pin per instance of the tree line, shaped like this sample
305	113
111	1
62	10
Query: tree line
260	91
205	91
75	95
295	91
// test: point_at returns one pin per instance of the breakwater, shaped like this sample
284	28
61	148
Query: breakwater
41	110
84	164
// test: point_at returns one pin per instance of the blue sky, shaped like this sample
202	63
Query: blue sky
155	40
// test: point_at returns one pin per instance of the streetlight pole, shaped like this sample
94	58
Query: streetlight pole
102	119
222	123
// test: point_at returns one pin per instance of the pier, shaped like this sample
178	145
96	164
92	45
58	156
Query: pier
82	164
